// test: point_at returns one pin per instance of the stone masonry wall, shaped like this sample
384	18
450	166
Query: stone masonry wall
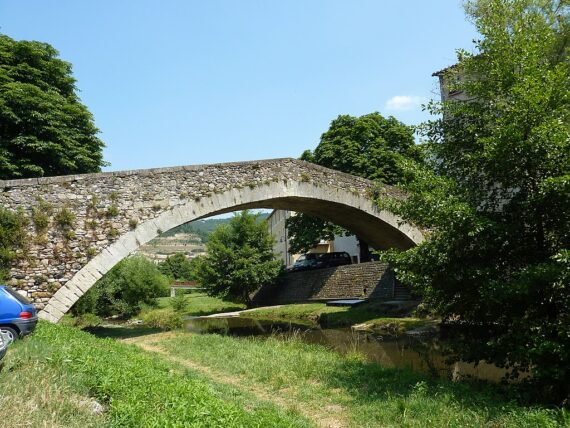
372	280
107	205
92	221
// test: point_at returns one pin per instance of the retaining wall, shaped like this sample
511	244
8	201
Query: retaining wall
372	280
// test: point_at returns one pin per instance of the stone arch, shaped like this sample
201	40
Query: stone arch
348	208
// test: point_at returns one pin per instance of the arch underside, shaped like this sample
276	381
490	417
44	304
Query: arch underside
351	210
379	234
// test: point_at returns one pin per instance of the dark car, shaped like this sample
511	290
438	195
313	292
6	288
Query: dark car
305	262
334	259
18	316
311	261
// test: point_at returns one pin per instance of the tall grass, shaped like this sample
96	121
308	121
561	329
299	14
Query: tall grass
138	389
370	395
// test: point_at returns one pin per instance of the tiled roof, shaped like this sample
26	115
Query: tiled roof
444	70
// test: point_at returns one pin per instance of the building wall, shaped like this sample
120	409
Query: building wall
276	226
348	244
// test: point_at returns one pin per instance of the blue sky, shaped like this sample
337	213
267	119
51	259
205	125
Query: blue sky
176	82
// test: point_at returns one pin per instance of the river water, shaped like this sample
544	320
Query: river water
424	354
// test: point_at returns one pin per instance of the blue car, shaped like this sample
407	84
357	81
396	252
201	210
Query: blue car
18	316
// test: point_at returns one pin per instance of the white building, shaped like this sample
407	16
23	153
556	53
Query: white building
276	226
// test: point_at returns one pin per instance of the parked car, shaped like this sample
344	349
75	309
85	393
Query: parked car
320	260
305	262
334	259
18	316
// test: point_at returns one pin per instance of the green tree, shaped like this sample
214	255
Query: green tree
44	128
369	146
498	196
123	291
178	267
240	259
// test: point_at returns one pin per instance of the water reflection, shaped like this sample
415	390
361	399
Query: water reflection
420	354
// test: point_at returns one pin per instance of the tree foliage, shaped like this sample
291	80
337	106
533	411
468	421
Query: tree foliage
178	267
44	128
497	197
369	146
123	291
240	259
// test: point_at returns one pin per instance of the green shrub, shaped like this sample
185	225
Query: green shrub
179	303
40	216
112	211
166	319
65	218
82	321
13	238
123	291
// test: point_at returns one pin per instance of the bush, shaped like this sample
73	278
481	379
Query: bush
82	321
13	238
179	303
166	319
123	291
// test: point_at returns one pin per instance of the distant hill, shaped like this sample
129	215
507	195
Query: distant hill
204	227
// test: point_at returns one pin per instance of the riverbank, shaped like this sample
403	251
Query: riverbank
76	379
371	316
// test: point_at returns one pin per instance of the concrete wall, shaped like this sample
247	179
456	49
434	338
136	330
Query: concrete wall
372	280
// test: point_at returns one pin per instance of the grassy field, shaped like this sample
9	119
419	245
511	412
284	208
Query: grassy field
346	391
374	316
63	377
202	304
56	377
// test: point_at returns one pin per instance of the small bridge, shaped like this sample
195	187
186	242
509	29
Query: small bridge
96	220
184	285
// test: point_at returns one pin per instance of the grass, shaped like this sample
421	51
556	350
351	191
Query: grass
54	377
201	304
373	314
358	393
50	379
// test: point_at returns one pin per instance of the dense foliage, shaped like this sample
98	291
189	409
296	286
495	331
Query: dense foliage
498	195
13	239
178	267
240	259
44	128
124	290
369	146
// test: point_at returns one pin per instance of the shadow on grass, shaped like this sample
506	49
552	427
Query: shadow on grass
121	332
370	384
362	313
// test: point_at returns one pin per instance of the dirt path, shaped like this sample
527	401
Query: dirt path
326	417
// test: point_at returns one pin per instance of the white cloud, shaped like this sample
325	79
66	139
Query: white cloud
403	103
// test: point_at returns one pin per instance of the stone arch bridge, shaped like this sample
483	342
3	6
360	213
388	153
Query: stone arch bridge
82	225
